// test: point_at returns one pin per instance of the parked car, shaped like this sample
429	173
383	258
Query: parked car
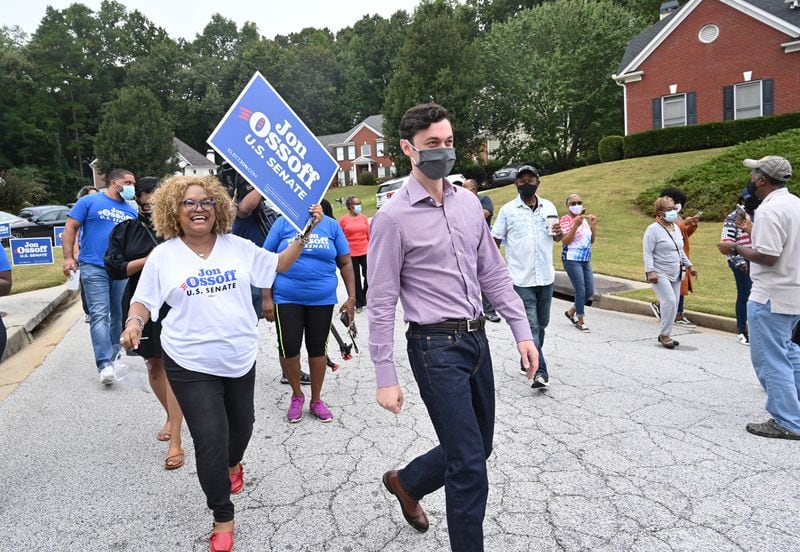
388	188
40	226
30	213
508	174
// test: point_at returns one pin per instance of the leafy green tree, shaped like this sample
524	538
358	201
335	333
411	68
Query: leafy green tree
20	187
136	134
490	12
436	63
548	94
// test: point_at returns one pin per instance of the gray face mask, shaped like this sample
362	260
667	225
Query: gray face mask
436	163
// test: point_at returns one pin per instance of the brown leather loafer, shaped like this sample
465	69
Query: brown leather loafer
412	511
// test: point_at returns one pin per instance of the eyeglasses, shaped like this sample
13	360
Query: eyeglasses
192	205
576	202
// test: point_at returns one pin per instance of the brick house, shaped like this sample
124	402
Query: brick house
359	150
713	60
190	162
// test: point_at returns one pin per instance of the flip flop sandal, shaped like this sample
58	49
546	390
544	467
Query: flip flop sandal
572	318
164	435
169	464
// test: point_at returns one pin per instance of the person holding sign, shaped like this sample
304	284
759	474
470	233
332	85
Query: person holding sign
5	289
209	337
431	248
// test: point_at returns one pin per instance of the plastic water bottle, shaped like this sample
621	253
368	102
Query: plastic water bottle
74	280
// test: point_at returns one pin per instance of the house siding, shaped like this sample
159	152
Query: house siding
743	44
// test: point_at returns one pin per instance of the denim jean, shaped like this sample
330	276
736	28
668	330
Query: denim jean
219	413
776	361
582	279
743	285
537	302
454	374
104	301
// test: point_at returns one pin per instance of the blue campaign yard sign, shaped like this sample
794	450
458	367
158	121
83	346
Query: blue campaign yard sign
5	230
267	143
58	231
31	251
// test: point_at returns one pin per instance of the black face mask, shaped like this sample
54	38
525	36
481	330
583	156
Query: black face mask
751	188
147	217
527	191
751	204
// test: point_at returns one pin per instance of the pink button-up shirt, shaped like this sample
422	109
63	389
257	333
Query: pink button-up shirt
436	258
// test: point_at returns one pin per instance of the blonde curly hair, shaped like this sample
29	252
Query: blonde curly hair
660	204
167	203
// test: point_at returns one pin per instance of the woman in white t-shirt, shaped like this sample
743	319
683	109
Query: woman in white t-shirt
209	336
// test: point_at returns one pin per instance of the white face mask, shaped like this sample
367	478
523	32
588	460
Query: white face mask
576	209
678	207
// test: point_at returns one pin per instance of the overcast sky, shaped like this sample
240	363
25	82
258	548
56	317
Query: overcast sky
182	18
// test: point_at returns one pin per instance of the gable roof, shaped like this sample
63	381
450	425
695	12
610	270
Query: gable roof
775	13
191	155
375	122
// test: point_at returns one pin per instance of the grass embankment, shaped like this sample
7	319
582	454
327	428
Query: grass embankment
29	278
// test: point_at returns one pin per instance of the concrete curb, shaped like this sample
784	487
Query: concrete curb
26	311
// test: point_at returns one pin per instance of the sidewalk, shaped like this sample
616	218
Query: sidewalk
25	311
632	448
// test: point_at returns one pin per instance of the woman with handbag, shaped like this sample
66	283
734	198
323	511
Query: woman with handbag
129	245
664	264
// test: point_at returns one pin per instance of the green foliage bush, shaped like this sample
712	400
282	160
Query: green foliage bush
19	188
366	179
714	186
709	135
480	172
611	148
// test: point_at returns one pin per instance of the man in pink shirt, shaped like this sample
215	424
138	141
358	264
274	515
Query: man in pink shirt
431	249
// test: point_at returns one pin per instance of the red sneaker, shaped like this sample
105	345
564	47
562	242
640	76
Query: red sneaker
237	481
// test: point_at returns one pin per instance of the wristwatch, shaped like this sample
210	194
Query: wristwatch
732	250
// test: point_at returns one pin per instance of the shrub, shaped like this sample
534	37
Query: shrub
611	148
709	135
366	179
19	188
714	186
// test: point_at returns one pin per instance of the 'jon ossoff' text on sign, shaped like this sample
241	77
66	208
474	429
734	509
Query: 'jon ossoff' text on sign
267	143
31	251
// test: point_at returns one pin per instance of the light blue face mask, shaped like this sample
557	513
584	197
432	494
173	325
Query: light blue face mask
128	192
670	216
357	209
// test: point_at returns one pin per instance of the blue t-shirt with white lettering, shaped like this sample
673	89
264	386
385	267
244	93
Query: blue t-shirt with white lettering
4	264
98	215
312	280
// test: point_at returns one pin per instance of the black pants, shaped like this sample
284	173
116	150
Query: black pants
360	269
295	320
219	413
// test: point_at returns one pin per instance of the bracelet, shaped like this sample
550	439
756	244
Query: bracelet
136	317
302	238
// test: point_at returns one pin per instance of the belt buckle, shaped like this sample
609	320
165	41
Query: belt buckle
477	326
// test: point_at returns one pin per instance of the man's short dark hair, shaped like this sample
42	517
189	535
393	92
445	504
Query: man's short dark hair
116	174
146	185
421	117
675	195
774	182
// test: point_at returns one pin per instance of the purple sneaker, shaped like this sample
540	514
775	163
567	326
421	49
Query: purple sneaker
318	409
296	409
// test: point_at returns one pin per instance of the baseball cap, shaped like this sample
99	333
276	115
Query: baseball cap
527	168
771	165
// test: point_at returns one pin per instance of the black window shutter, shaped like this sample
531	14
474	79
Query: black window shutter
691	108
727	103
767	97
657	113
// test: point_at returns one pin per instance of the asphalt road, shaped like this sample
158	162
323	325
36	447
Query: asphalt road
634	447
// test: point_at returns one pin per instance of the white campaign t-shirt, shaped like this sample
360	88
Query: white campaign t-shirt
212	326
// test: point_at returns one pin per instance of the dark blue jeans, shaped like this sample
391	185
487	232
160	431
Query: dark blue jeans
743	285
537	301
454	374
582	279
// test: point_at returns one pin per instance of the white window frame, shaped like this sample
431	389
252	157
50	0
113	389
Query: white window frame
664	100
366	150
379	149
760	99
351	152
381	171
340	154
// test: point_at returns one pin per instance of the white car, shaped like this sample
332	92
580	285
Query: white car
388	188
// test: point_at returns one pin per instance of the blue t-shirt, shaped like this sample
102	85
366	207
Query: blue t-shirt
4	264
98	215
312	279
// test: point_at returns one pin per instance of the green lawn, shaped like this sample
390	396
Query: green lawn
29	278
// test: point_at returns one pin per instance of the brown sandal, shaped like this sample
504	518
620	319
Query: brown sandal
164	435
170	463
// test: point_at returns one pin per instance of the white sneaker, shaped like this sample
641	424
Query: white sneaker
107	374
87	318
539	382
684	322
743	339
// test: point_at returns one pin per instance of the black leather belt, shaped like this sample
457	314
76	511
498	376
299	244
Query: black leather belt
452	325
